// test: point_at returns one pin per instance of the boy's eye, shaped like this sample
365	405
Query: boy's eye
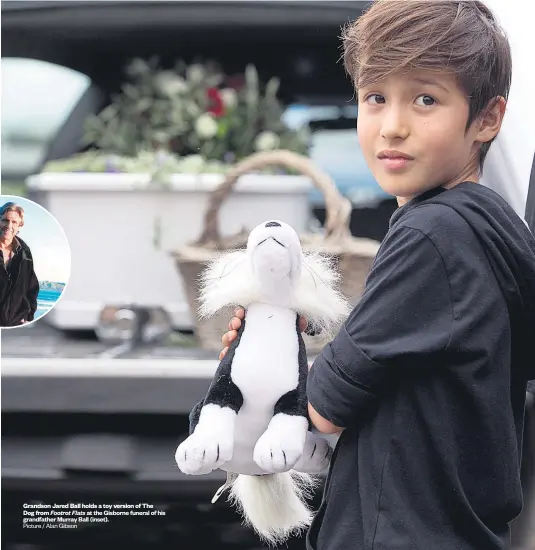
425	100
375	99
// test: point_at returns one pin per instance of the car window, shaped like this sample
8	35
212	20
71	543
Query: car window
336	150
37	97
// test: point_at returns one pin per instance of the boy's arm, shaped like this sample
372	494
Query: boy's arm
400	326
321	424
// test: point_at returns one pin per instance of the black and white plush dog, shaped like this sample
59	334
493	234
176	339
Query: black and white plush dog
254	422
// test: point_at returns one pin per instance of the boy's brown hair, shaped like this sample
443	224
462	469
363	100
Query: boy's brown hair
457	36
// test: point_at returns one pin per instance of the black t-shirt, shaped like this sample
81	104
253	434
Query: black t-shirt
427	378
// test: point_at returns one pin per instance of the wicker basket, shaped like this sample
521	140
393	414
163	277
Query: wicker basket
352	256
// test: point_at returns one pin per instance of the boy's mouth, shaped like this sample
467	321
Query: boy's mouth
393	154
394	160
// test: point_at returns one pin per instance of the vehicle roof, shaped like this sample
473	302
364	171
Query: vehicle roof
296	41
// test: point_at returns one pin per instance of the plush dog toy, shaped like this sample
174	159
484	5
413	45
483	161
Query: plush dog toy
253	422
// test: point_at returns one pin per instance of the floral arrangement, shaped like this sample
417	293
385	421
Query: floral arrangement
189	119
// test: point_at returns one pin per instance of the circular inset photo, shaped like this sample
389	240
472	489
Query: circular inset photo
35	261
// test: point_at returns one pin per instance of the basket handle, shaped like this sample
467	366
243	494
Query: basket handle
338	208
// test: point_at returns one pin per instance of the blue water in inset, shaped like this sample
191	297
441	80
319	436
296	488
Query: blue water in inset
45	301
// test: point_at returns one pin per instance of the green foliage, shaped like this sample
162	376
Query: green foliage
192	110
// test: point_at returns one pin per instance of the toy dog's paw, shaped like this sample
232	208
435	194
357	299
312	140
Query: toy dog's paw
316	455
281	445
200	454
212	442
275	457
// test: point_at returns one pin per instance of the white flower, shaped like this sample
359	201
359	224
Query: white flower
266	141
206	126
170	84
195	73
229	97
137	67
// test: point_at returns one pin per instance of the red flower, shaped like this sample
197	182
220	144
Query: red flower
216	107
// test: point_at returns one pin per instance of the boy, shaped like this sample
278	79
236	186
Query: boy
426	380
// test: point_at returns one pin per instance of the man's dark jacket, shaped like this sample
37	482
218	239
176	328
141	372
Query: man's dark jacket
19	287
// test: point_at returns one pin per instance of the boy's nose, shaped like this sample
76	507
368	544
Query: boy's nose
394	124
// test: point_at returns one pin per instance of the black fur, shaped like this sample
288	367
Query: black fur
295	402
222	390
194	416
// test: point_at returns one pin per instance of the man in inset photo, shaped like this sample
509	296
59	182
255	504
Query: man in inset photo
19	285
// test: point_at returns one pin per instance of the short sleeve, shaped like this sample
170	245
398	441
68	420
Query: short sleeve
403	321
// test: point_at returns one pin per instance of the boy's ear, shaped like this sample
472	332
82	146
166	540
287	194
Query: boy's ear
488	124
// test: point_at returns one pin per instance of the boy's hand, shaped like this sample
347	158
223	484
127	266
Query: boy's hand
235	324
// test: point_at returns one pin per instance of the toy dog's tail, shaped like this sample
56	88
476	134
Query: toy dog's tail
274	505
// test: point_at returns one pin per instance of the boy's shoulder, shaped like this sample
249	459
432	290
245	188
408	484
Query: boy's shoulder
432	218
434	221
460	216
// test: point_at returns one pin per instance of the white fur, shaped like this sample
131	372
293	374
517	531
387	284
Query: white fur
274	280
316	455
282	444
230	280
263	374
274	505
211	444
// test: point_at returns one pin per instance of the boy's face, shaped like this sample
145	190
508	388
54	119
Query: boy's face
412	131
